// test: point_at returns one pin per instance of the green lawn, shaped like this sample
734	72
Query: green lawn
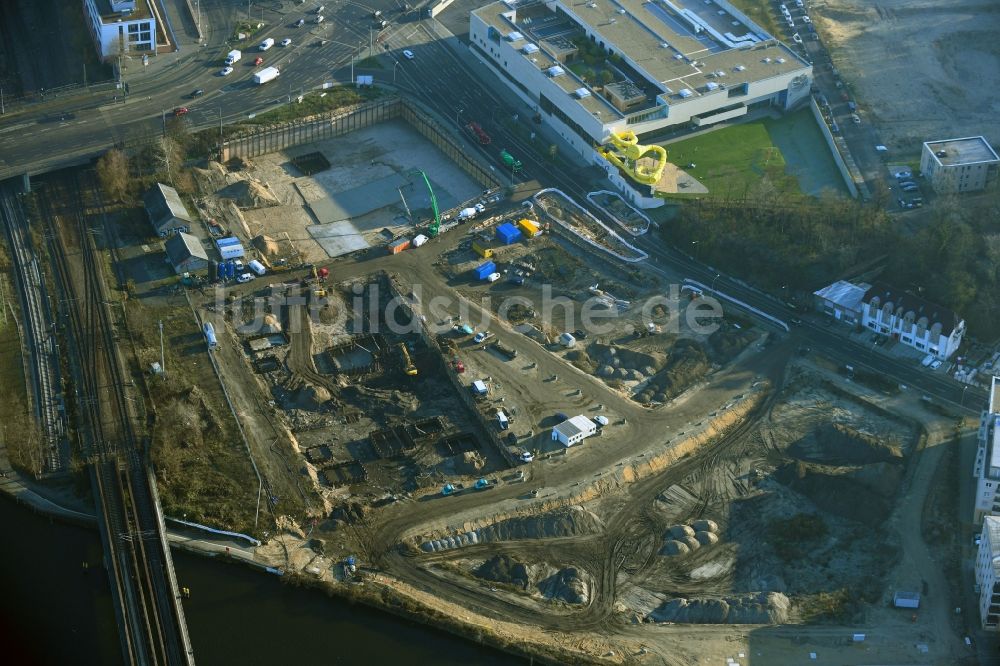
790	152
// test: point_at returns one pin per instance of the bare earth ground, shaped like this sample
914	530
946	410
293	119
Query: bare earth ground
923	70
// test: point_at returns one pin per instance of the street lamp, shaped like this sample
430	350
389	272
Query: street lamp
458	112
714	279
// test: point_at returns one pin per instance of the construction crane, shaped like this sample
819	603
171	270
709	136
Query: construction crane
436	225
409	369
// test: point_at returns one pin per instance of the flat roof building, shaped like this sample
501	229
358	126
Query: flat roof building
574	430
959	165
842	300
597	66
116	26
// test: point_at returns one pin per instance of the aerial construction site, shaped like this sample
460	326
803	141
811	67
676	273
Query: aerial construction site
485	408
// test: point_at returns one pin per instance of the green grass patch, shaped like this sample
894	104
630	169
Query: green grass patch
789	152
760	12
370	62
314	103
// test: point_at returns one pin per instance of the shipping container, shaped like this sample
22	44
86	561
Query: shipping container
398	245
529	228
508	234
482	250
485	270
230	248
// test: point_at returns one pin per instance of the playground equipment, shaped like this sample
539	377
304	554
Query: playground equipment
435	227
624	151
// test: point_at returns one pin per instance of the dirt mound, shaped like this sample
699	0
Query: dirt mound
725	345
690	542
681	531
308	397
566	584
704	525
624	362
673	548
504	569
581	360
839	444
836	491
188	418
754	608
572	521
211	178
686	364
248	194
707	538
266	246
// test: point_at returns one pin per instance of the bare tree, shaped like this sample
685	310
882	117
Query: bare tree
113	172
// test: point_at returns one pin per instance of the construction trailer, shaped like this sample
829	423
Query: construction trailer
483	271
398	245
508	234
528	228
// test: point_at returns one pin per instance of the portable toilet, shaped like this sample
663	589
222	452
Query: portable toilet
230	270
485	270
220	270
508	234
567	340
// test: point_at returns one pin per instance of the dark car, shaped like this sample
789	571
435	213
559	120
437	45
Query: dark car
196	93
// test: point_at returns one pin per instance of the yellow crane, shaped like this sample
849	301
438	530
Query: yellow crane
409	368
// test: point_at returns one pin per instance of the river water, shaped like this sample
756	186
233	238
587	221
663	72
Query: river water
53	611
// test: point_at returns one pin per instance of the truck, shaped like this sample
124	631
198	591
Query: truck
265	75
509	352
210	335
257	267
266	44
233	57
510	161
467	214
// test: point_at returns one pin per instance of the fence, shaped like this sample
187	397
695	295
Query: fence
272	138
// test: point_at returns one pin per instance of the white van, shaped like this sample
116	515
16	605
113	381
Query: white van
419	240
266	44
502	421
257	267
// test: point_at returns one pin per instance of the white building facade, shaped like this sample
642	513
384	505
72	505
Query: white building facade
959	165
121	26
670	65
912	321
988	576
987	467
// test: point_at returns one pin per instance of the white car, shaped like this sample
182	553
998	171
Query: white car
526	456
286	42
601	420
936	364
408	54
806	19
300	23
226	71
482	335
245	277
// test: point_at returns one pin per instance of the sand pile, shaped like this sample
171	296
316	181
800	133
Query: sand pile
249	194
754	608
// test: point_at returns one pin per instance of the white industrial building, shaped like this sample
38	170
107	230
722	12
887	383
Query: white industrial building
573	431
663	64
121	26
988	574
911	320
959	165
987	467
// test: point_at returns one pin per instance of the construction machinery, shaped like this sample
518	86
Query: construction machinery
510	161
408	366
624	151
435	227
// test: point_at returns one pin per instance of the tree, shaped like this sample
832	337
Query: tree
113	172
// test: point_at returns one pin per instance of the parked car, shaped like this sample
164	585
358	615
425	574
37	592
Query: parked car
936	364
526	456
244	277
905	173
480	336
911	188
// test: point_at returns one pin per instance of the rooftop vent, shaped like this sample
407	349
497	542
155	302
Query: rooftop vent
664	45
685	93
514	36
779	60
622	12
555	70
720	72
739	68
529	49
712	85
678	56
768	59
581	93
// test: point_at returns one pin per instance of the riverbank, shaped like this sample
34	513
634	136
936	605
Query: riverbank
376	590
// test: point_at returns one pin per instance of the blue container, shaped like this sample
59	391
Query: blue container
230	270
485	270
221	270
507	233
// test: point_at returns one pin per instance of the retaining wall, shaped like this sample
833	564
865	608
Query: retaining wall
831	143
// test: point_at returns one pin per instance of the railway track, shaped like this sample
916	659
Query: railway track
147	604
38	326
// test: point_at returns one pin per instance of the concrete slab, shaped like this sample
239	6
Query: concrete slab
378	194
338	238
